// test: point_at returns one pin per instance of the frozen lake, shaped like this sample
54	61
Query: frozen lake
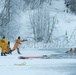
10	64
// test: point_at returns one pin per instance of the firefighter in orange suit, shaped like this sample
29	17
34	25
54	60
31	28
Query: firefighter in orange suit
71	51
18	41
8	49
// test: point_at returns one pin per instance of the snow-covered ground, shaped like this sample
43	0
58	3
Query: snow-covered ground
10	64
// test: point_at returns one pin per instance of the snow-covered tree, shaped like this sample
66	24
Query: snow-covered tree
4	16
40	22
33	4
71	4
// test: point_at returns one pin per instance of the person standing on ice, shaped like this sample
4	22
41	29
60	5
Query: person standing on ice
3	44
18	41
3	47
0	43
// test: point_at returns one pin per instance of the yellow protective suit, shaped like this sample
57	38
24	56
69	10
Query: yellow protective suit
4	40
4	47
0	43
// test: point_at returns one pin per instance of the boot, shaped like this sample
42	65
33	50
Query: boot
1	54
5	54
10	52
18	51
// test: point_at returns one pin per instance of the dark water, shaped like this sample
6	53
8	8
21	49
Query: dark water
58	50
61	53
69	68
62	56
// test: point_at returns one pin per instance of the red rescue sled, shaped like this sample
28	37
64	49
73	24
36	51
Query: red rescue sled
27	57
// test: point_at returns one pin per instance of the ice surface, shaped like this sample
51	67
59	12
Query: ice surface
10	64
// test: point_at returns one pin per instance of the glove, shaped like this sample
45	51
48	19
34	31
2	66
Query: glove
25	40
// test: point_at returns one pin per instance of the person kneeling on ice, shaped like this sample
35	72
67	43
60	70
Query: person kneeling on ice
18	41
71	51
8	49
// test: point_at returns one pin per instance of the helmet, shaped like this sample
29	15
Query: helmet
18	37
8	42
3	36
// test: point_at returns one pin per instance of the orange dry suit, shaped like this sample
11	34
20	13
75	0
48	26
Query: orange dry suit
8	48
70	52
18	41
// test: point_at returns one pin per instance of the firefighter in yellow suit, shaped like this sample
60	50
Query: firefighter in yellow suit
4	39
18	41
3	44
0	43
